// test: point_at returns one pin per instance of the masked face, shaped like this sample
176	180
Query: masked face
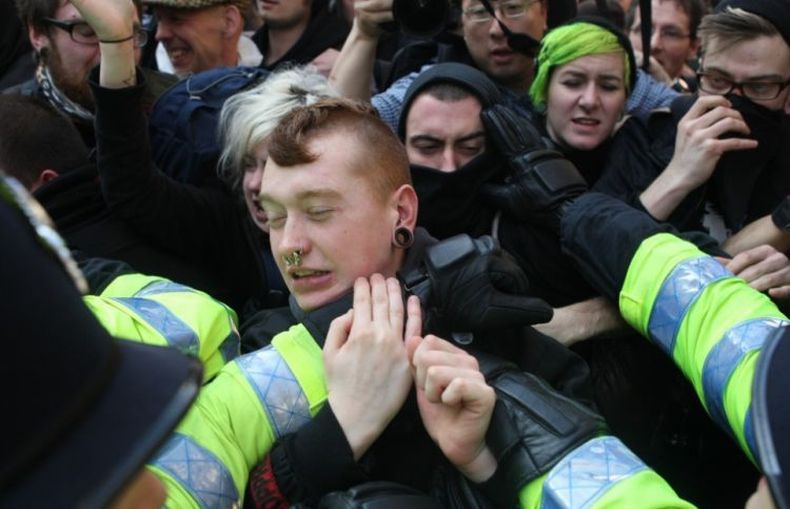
760	60
444	135
450	202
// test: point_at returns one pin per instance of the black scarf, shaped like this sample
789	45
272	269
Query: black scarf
450	202
748	183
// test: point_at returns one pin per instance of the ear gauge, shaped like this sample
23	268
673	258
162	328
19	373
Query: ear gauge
403	237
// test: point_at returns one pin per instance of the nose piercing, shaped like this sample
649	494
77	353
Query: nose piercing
294	259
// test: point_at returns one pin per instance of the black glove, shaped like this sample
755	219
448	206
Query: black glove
533	427
471	285
541	180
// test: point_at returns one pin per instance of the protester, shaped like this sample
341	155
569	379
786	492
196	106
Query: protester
198	35
487	48
66	50
300	32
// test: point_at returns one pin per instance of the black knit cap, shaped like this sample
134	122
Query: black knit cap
449	72
775	11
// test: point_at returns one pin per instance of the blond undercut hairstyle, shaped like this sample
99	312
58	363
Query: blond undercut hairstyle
248	118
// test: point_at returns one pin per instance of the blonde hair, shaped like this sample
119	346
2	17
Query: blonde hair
248	118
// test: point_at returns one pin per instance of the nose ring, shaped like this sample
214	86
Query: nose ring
294	259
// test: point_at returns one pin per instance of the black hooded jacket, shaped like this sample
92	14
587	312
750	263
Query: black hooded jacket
75	203
324	30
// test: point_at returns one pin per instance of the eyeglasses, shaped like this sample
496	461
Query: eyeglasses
670	34
510	10
715	83
82	33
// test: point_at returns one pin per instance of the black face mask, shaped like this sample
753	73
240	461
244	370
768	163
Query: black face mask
735	181
450	203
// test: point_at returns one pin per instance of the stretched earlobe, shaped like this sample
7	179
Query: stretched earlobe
403	237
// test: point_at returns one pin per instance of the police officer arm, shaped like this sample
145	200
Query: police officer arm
711	323
697	151
352	73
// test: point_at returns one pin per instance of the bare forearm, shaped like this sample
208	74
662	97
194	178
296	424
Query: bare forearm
583	320
353	70
117	64
663	196
761	231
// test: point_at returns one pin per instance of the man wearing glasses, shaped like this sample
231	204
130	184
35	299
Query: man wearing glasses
719	161
66	50
487	46
674	38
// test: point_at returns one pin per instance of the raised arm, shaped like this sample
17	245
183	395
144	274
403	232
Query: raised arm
352	73
698	148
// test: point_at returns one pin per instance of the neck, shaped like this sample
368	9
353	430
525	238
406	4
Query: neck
281	39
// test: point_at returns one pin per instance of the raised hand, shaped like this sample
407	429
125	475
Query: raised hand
110	19
698	143
113	22
455	403
367	369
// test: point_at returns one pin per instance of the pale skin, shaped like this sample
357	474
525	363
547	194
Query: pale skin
353	69
370	370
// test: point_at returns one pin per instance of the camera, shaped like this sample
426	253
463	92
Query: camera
421	18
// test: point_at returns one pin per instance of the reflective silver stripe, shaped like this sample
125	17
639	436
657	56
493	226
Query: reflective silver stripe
162	286
278	390
679	291
230	347
751	438
725	356
587	473
198	471
177	334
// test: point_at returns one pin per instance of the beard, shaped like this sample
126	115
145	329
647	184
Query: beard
72	83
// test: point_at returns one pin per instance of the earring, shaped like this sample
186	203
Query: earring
403	237
294	259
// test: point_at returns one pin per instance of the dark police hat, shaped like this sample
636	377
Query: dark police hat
82	411
771	419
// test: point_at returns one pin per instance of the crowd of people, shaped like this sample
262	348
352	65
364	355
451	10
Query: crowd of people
535	256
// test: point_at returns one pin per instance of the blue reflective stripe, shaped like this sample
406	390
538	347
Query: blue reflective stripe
278	389
679	291
176	332
751	438
230	347
584	475
162	286
198	471
725	356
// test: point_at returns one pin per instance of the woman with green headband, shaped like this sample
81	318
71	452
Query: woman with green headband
585	71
